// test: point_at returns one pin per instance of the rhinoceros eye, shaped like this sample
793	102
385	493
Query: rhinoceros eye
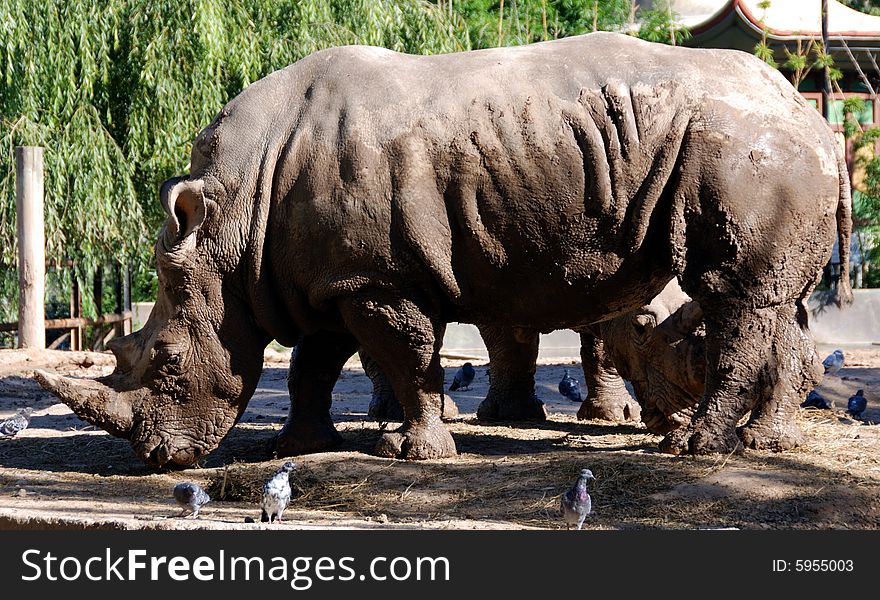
167	356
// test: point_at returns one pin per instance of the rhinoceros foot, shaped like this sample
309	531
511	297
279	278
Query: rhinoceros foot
417	442
512	408
701	439
756	437
306	436
617	406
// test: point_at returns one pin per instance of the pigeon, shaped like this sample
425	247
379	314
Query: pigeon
463	377
857	405
815	400
276	494
191	498
570	388
16	423
575	504
834	362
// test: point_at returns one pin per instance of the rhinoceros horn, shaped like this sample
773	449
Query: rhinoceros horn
93	401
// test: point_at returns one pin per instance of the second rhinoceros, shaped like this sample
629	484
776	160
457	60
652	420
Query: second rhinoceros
365	198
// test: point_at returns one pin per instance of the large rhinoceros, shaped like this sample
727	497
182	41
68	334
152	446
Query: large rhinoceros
365	198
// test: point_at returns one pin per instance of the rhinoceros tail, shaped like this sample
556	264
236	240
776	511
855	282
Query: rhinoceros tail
844	230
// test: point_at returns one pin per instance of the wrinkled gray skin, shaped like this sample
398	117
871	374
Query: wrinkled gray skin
364	198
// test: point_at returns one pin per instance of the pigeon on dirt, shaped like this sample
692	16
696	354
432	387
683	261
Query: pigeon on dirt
857	405
815	400
834	362
575	504
276	494
191	498
570	388
16	423
463	377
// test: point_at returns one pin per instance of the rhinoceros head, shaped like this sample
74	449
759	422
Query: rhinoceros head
182	381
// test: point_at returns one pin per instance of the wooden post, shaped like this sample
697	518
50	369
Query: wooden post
98	298
126	299
75	311
31	247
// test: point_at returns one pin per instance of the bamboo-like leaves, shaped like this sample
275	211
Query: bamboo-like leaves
116	90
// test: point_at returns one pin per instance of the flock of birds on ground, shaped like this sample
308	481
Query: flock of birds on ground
575	504
276	496
856	404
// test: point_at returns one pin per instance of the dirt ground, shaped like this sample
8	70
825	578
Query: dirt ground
63	473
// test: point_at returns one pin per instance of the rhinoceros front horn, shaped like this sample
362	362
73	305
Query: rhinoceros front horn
97	403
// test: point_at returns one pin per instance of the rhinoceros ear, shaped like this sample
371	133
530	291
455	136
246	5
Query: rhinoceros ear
184	202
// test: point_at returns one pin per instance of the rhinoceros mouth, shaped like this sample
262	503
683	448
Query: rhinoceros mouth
164	450
167	443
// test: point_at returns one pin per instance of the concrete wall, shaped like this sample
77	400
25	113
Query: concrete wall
858	323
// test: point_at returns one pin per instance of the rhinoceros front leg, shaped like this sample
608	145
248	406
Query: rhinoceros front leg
383	403
797	370
512	356
607	396
315	365
405	342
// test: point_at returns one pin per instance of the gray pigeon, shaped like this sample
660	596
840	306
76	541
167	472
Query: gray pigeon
276	494
834	362
857	405
463	377
575	504
815	400
570	388
191	498
16	423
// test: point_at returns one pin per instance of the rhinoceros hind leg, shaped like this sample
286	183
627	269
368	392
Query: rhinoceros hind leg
512	356
315	365
742	372
771	425
405	343
607	396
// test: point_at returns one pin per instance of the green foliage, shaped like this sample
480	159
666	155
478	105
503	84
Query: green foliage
522	21
763	51
116	90
872	7
658	25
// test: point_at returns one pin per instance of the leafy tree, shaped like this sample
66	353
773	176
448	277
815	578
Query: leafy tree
116	90
659	25
493	23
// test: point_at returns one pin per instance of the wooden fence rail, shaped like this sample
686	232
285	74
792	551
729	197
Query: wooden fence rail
68	323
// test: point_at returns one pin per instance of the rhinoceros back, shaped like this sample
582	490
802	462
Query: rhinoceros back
468	170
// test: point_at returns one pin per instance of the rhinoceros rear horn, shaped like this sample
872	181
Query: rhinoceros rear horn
184	202
93	401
